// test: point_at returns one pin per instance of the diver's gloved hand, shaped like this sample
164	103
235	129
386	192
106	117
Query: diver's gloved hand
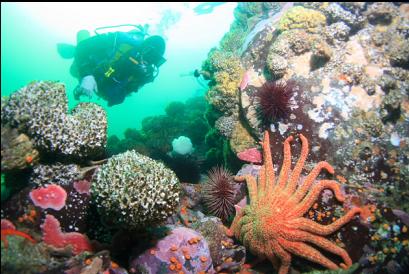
87	87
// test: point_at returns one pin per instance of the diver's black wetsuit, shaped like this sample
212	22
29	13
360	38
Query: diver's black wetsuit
114	60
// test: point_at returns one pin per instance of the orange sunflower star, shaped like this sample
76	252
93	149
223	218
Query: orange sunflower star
272	226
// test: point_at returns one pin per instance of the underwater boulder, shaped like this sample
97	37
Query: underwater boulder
57	173
225	125
68	203
338	57
133	191
17	151
227	256
191	196
182	250
40	110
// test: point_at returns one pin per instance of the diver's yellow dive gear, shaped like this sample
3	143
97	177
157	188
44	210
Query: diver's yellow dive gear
133	60
109	72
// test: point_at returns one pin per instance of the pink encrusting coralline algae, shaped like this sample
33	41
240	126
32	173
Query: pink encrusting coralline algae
245	81
52	235
82	186
51	196
251	155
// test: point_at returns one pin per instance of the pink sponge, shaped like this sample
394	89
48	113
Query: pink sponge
82	186
52	235
251	155
52	196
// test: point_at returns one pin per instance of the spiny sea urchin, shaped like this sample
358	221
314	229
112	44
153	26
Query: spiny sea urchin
219	193
273	101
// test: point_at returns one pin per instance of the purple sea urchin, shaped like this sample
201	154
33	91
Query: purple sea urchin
219	192
273	101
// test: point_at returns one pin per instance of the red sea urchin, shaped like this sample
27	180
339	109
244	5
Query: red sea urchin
273	101
219	193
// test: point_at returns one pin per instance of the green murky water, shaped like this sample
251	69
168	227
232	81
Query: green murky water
30	33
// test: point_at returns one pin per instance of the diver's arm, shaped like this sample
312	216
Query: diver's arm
86	87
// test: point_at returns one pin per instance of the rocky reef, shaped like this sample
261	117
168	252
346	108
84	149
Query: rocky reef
17	151
331	75
40	110
350	91
347	65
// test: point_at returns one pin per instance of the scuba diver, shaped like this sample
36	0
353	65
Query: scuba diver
197	73
114	64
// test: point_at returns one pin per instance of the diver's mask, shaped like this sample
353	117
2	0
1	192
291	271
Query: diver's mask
150	55
136	35
152	50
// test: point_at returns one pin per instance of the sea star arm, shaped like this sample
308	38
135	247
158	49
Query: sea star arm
268	185
295	175
262	176
285	169
234	227
251	186
258	247
313	227
321	242
268	163
309	180
307	252
284	256
312	196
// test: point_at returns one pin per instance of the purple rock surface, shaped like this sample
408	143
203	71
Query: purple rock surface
182	250
249	169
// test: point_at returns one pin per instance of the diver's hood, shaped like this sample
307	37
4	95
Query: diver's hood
153	49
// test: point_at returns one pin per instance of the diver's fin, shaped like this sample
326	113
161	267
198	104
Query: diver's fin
82	35
66	51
